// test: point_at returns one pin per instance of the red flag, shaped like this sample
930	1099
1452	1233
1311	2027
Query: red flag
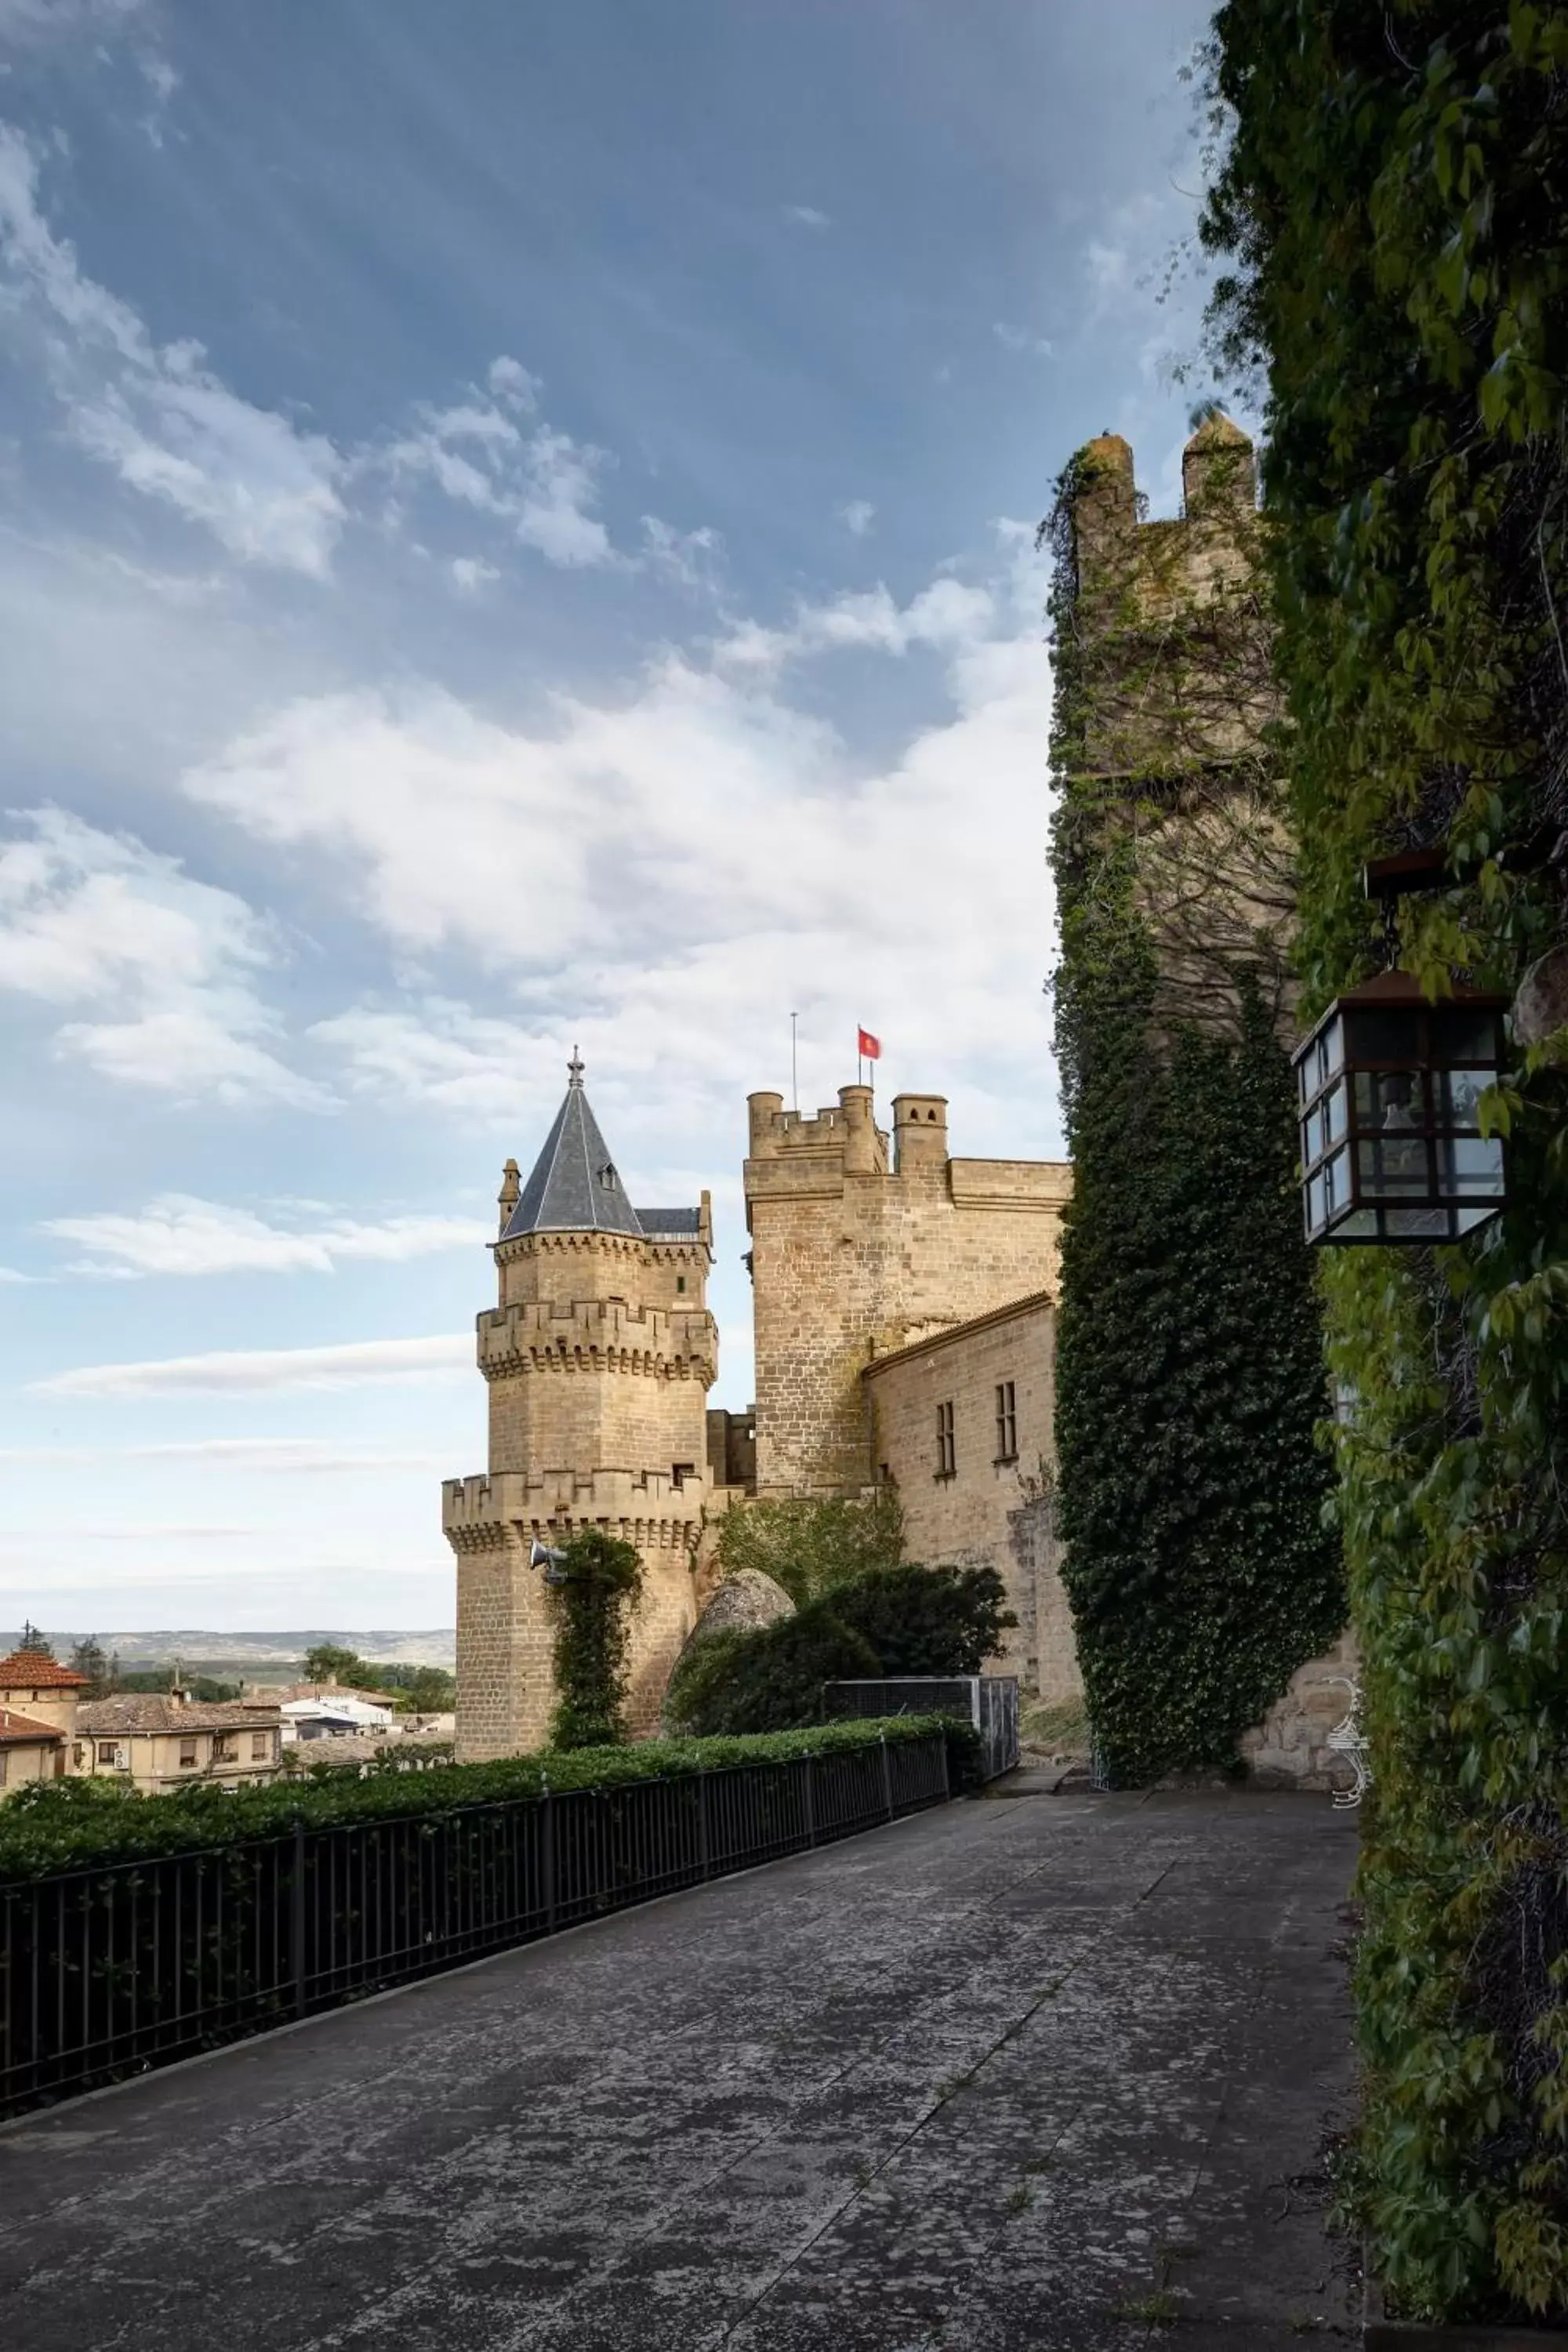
868	1047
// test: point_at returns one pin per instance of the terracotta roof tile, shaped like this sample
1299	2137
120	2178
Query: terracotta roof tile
31	1670
23	1731
147	1711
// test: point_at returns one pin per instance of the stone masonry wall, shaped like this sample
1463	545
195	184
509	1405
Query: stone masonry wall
598	1361
990	1512
852	1259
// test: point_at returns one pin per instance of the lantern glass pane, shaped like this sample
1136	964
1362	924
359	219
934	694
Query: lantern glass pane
1460	1033
1466	1220
1388	1100
1392	1171
1470	1166
1334	1114
1337	1180
1417	1225
1383	1035
1461	1095
1316	1205
1333	1047
1360	1226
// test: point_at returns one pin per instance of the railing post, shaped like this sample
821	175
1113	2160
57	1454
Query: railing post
297	1918
547	1857
946	1774
811	1800
887	1774
704	1854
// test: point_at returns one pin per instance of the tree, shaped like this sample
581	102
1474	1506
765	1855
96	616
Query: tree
926	1621
87	1658
420	1690
601	1581
30	1638
327	1662
808	1547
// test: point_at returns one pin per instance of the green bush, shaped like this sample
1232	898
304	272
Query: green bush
76	1833
810	1546
770	1680
926	1621
1390	202
894	1620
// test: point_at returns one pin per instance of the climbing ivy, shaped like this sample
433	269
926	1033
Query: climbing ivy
1189	1373
1392	203
601	1580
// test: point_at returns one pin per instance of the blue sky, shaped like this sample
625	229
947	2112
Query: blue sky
516	529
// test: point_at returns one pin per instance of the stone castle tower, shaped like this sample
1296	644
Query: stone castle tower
598	1359
856	1254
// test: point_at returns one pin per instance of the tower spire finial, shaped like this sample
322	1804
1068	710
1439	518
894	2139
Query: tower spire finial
574	1067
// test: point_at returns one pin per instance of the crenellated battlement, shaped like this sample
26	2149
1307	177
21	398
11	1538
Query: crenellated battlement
851	1256
508	1507
597	1336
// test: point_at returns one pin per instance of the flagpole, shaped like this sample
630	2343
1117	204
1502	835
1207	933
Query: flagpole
794	1068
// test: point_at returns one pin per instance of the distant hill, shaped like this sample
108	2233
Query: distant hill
193	1647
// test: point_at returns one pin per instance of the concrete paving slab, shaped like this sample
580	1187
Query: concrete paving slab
1005	2075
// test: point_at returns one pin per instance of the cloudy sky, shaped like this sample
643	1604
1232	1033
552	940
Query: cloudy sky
516	529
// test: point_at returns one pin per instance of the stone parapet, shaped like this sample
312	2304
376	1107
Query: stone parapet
481	1512
597	1336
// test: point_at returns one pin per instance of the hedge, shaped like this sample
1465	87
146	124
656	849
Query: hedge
65	1830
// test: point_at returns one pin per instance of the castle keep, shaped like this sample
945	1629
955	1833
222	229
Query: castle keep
905	1332
599	1356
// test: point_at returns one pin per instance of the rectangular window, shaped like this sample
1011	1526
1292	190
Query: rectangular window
946	1452
680	1282
260	1745
108	1751
223	1748
187	1754
1007	1423
5	1765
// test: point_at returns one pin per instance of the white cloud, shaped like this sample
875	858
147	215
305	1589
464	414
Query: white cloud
181	1235
170	427
274	1456
945	615
807	216
692	558
1020	339
1109	265
857	516
267	1370
469	575
539	482
99	920
663	874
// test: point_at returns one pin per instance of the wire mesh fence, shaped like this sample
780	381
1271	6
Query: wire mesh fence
110	1971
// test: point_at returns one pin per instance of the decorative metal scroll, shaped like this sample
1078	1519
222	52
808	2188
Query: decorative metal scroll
1349	1740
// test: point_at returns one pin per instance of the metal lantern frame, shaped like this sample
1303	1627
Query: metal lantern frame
1388	1087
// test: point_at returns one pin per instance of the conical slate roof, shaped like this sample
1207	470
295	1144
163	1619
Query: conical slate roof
576	1187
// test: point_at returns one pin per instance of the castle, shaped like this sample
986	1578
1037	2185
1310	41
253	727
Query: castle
904	1300
905	1332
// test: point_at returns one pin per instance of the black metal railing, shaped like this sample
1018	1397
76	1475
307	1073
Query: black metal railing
111	1971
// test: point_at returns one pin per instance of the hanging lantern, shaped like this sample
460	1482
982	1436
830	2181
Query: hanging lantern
1390	1088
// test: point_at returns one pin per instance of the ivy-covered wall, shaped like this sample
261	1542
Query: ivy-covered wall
1393	205
1189	1380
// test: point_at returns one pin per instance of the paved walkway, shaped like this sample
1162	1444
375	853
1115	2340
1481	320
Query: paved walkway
1004	2076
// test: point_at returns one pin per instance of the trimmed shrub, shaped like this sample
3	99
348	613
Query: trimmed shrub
76	1833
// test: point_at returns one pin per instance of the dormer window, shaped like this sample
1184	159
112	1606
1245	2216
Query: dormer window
608	1176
